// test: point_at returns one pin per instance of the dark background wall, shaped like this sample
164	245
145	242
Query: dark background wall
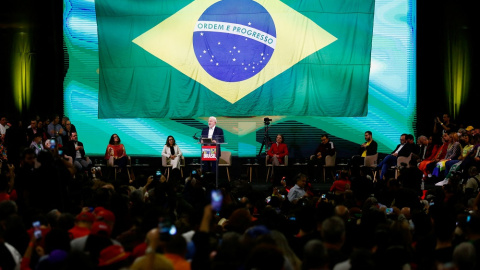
43	21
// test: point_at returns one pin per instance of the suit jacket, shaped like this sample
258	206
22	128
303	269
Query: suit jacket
217	136
405	151
69	149
371	149
167	153
422	151
281	150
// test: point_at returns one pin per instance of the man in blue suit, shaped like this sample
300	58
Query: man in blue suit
216	134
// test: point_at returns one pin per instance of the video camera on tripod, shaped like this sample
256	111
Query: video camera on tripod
266	138
267	121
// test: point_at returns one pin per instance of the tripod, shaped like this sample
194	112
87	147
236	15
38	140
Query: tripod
266	139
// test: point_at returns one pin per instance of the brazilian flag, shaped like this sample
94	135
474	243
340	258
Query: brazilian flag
183	59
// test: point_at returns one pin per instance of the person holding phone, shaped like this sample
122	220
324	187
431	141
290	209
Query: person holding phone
172	153
56	130
116	150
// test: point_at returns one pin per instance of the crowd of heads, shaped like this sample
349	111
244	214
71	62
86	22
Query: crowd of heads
108	223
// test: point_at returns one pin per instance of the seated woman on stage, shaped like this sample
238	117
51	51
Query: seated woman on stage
277	151
172	152
117	150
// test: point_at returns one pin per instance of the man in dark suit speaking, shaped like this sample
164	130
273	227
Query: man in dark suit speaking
216	134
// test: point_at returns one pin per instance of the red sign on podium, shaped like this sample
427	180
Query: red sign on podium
209	153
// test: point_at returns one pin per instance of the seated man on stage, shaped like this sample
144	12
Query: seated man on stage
74	149
326	148
368	148
216	134
402	150
277	151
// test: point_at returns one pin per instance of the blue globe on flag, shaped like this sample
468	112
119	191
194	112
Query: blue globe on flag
233	40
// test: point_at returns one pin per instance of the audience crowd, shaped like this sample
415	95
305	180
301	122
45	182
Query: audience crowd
59	212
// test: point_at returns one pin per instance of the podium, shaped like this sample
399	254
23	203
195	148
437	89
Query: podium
210	151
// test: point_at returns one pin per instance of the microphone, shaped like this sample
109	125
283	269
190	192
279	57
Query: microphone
195	136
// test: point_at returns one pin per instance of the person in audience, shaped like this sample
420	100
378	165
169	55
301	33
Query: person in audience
454	164
438	153
341	184
277	151
402	150
69	129
74	149
443	126
41	129
454	150
423	143
116	150
298	191
31	131
56	130
66	122
37	143
172	152
469	130
3	128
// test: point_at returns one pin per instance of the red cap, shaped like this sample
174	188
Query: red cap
112	254
106	215
100	228
85	216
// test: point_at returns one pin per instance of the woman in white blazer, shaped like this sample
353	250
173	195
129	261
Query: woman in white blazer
172	152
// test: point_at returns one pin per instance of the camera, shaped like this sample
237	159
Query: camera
267	120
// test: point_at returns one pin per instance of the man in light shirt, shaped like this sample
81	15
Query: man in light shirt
298	191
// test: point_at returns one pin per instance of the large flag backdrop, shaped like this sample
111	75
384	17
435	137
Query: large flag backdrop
391	96
182	59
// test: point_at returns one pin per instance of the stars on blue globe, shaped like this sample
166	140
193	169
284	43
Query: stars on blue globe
234	46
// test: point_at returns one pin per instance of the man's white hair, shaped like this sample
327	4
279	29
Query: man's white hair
213	117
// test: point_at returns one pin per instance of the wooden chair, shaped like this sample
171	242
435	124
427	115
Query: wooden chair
271	167
225	161
166	164
111	164
401	160
329	163
371	162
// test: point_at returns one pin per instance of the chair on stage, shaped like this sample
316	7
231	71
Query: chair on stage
166	164
111	164
401	160
371	163
272	168
225	161
329	163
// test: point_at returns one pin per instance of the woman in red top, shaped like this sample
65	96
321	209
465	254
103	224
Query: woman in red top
116	150
277	151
